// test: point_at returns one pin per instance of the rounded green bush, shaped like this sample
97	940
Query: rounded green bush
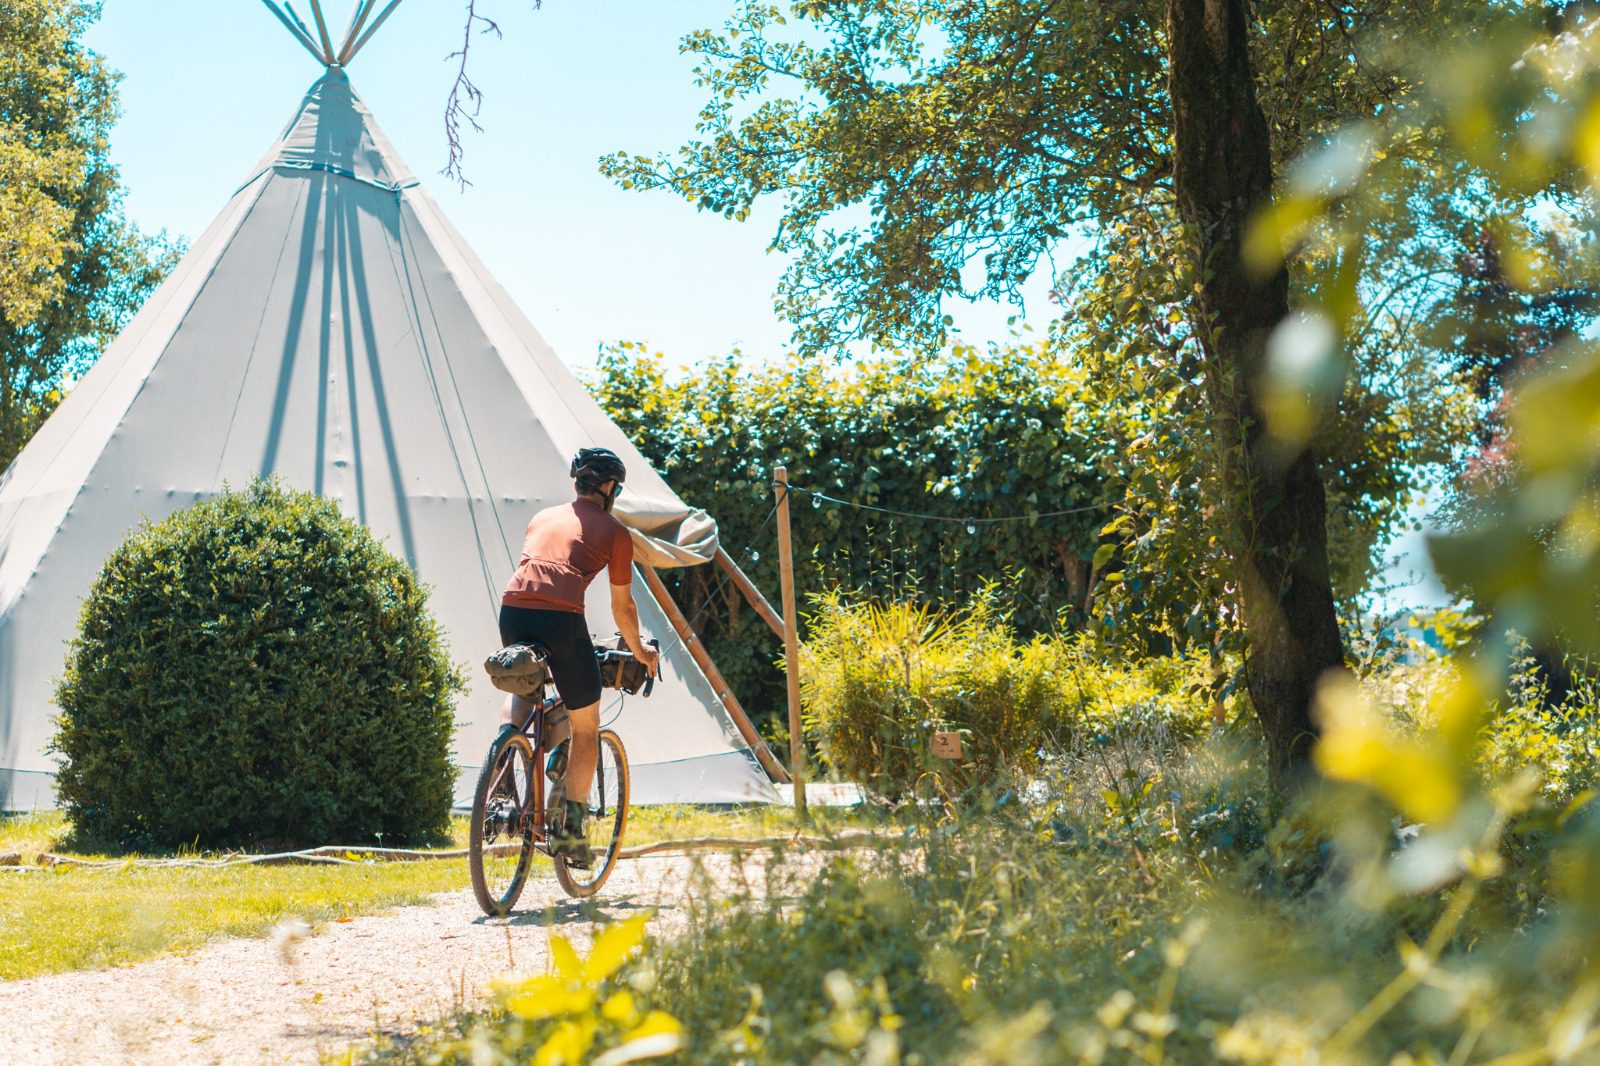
256	669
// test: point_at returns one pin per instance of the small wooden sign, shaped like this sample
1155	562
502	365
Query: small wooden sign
947	745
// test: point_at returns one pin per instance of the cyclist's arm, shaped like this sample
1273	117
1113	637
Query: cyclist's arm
623	609
626	614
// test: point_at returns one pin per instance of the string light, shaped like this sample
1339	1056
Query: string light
971	524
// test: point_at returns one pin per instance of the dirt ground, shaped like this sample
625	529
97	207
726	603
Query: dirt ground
296	995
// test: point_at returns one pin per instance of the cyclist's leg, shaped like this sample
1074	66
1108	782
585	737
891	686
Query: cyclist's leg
585	750
517	626
516	711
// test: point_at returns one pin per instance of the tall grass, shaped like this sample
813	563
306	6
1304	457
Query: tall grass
879	680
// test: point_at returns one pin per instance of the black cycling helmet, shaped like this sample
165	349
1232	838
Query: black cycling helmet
593	467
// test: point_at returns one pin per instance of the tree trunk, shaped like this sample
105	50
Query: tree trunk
1277	520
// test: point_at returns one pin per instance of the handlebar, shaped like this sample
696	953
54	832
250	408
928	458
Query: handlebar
613	659
650	682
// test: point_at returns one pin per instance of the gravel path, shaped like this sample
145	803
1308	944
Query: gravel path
294	998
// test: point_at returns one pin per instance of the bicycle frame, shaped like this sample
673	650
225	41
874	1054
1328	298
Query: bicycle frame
536	810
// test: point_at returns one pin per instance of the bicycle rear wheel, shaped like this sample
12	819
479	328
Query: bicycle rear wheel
605	823
500	841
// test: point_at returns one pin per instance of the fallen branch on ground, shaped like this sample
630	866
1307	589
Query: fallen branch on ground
331	855
863	839
342	856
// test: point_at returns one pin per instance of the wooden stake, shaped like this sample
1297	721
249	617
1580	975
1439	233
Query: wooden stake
752	594
702	658
791	643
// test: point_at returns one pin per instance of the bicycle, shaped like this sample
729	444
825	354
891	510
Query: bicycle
509	805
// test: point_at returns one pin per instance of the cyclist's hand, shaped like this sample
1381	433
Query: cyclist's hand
651	658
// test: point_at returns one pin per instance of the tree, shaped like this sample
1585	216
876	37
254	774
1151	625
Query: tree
72	269
942	147
1273	500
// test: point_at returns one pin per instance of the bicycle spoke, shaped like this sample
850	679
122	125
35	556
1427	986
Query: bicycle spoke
607	805
501	844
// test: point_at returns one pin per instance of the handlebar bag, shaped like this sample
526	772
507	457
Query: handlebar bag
620	670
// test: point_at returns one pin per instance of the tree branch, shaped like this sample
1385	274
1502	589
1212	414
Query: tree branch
466	99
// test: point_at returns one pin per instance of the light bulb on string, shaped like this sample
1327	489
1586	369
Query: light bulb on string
816	503
972	526
755	556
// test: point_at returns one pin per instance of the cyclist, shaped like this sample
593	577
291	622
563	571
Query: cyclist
565	547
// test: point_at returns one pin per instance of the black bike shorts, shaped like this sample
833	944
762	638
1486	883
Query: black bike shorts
565	636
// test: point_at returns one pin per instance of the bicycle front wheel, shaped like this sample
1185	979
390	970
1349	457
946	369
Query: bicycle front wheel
500	841
605	822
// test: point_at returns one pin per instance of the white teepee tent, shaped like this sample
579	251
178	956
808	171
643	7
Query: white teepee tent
332	329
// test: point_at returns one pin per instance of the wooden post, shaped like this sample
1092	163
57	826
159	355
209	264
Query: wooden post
791	642
702	658
752	595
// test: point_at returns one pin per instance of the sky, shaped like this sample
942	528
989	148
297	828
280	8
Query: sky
208	85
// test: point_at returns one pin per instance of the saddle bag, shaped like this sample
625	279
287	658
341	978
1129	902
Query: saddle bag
518	669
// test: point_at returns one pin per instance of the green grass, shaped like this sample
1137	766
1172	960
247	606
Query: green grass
648	825
65	918
31	834
75	919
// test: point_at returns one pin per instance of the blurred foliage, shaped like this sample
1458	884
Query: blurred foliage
256	669
579	1013
72	268
558	1018
878	680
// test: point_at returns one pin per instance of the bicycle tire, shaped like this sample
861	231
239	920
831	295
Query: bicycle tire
606	822
500	840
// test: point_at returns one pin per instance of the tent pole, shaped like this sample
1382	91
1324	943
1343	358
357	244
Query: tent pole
791	641
294	31
702	659
304	29
376	23
322	31
752	594
358	19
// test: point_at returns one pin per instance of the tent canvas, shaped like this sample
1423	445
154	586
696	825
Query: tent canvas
332	329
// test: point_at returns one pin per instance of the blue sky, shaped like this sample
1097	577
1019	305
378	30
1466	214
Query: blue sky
208	84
